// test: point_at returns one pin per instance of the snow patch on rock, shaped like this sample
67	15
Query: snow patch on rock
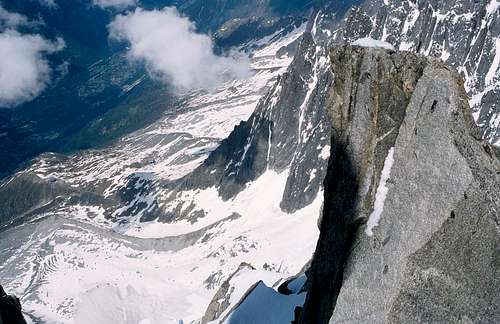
381	194
370	42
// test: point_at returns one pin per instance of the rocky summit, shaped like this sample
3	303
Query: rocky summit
410	225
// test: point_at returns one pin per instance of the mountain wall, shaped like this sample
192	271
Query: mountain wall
463	33
287	131
410	225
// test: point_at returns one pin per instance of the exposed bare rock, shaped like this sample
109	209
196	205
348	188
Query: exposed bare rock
10	309
410	228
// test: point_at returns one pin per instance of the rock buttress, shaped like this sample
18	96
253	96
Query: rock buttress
433	256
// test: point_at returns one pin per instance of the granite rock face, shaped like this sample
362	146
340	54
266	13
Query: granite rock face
463	33
432	256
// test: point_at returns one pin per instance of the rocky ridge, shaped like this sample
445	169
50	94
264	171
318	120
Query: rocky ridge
465	34
417	244
409	228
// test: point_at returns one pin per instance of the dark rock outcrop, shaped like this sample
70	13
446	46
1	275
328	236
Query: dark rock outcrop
41	195
220	301
10	309
432	256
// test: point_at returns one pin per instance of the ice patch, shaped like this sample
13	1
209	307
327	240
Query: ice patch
325	152
296	285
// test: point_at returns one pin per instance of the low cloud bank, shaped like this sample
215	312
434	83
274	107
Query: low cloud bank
24	69
173	51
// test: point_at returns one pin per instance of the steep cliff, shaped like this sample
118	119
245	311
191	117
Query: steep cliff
410	226
287	132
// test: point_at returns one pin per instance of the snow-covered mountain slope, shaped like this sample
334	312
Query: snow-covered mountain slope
286	129
164	151
67	271
59	254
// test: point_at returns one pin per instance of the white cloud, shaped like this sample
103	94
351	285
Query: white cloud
114	3
10	19
171	49
24	70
